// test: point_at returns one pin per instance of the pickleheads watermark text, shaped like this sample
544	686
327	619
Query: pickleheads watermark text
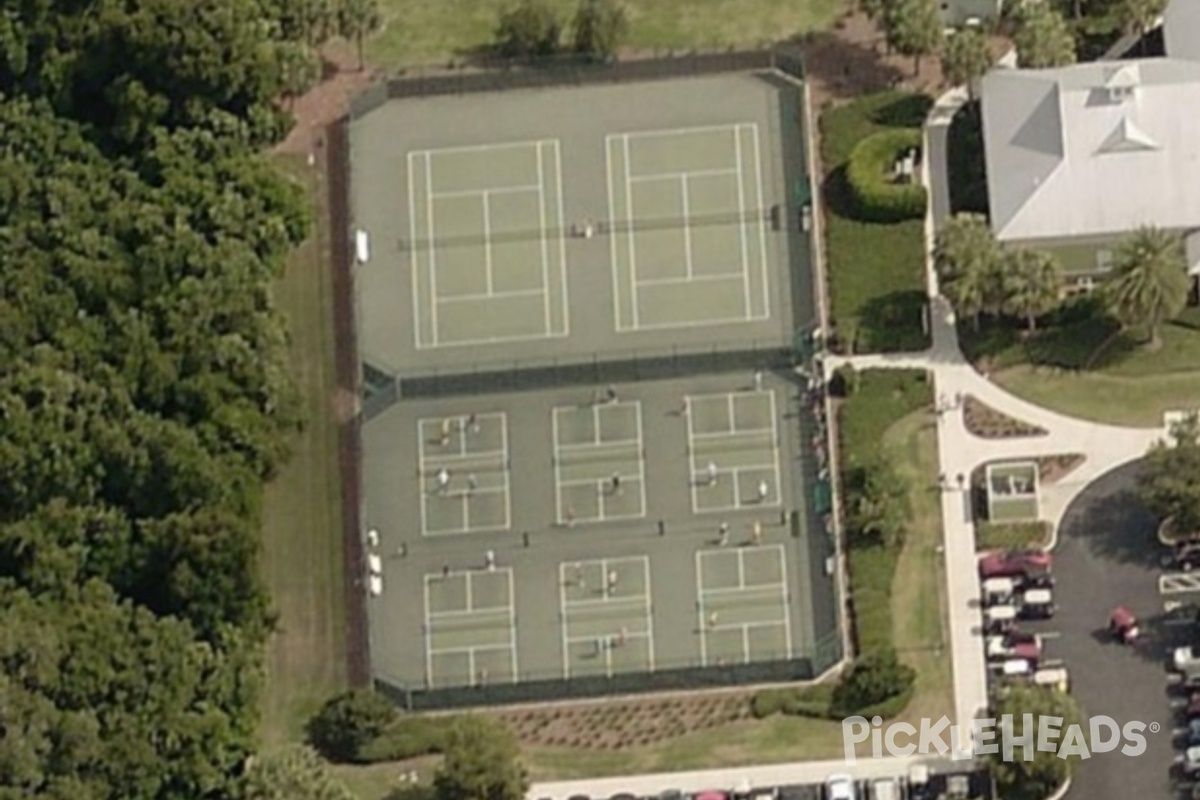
985	736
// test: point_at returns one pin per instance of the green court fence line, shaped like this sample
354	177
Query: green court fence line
487	75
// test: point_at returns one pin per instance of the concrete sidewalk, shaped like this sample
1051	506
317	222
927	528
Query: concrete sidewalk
742	778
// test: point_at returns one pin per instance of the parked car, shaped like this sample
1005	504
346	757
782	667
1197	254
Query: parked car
1012	668
1037	604
1191	760
999	619
1187	556
1016	644
885	789
840	787
998	591
1123	625
1192	732
1027	566
1055	677
1186	659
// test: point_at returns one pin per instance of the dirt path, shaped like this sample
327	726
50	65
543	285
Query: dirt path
328	100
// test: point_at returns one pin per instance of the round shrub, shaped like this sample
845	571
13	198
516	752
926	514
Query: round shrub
348	722
878	195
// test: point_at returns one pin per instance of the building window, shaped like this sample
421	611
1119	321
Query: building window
1104	260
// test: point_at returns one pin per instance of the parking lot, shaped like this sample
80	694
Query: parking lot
1107	556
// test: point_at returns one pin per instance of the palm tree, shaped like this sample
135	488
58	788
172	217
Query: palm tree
967	259
1149	284
1043	38
1031	281
965	58
358	19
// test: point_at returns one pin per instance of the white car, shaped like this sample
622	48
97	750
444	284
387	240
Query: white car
840	787
1186	658
1191	760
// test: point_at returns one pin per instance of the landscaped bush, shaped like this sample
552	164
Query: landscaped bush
869	173
875	680
1028	535
349	722
844	381
800	701
408	737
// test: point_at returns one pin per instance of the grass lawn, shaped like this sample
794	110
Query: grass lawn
1085	368
1012	535
876	271
434	31
919	584
381	781
302	547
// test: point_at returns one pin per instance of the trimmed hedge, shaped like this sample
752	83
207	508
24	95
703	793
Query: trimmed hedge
801	701
407	737
869	172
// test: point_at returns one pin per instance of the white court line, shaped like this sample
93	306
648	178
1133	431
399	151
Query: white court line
485	460
567	448
694	483
775	446
612	239
762	230
687	229
699	173
565	300
633	298
428	629
541	190
741	562
558	484
764	590
512	625
470	593
741	194
740	433
413	265
432	248
787	611
507	479
484	148
604	601
473	648
487	242
689	280
700	594
462	613
641	461
462	298
681	131
562	619
601	484
649	611
477	192
730	416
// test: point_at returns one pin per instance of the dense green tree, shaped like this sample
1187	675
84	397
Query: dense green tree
913	28
348	722
1149	281
291	773
528	29
877	502
873	678
358	19
966	58
1031	284
968	260
1042	37
1167	485
599	27
1136	16
102	701
299	67
481	762
1043	771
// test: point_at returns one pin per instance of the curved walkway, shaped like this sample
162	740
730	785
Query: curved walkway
960	452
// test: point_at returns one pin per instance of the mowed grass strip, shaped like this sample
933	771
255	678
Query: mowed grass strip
876	271
302	530
419	32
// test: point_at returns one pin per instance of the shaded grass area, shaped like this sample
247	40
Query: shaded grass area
881	399
919	584
967	171
875	270
382	781
1033	534
436	31
1083	365
302	548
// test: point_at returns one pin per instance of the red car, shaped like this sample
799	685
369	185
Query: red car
1028	565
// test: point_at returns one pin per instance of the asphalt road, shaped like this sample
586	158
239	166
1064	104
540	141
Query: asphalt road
1107	556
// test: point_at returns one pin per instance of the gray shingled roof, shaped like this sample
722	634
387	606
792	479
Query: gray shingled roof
1093	149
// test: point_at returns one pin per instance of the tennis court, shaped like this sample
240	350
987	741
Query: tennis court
487	252
606	617
464	467
599	469
470	628
733	444
689	226
743	605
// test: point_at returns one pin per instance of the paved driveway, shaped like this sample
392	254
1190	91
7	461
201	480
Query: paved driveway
1107	556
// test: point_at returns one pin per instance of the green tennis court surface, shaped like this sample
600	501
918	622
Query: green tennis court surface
710	266
606	616
599	471
734	451
463	463
470	633
743	605
478	275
